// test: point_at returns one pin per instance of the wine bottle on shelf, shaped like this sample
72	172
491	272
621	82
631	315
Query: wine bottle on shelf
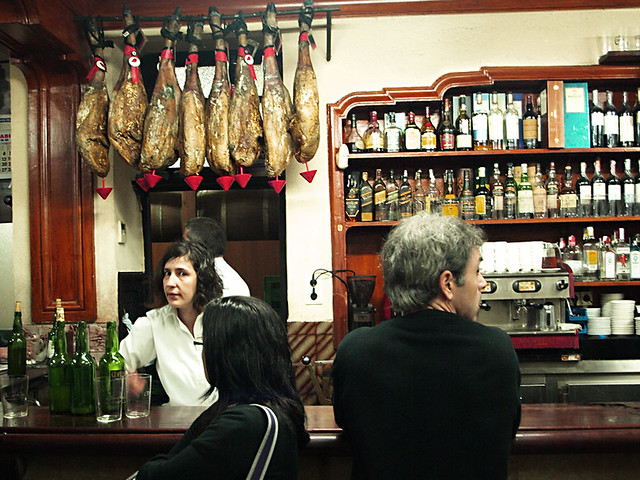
59	371
366	198
539	122
525	194
611	123
539	194
614	191
599	192
467	200
404	196
354	141
446	130
625	122
450	204
419	195
572	256
392	135
17	347
373	140
464	138
634	258
510	194
393	207
623	251
483	199
433	203
530	125
589	255
568	196
379	198
83	374
553	192
411	134
352	198
512	124
636	119
597	121
607	259
496	124
497	194
628	189
480	125
583	188
428	137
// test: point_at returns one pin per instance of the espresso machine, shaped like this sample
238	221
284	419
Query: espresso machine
360	289
530	307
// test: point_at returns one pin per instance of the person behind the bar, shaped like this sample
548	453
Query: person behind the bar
430	393
247	358
211	234
187	280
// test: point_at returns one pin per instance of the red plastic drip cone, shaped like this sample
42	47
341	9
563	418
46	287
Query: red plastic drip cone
242	179
152	179
193	181
142	182
308	175
277	184
104	192
225	181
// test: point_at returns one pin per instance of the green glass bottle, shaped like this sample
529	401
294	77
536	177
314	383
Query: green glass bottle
17	348
83	373
51	336
111	364
60	371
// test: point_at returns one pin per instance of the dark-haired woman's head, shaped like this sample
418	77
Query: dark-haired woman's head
190	266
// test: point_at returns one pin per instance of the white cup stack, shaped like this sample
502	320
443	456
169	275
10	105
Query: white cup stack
637	319
605	301
622	313
593	312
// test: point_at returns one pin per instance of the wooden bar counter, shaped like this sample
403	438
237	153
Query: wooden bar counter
600	441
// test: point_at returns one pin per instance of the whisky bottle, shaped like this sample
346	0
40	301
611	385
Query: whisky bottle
467	200
589	255
496	124
614	191
428	137
411	134
510	194
392	135
525	195
568	196
623	251
393	207
450	204
599	192
611	123
529	125
636	119
433	203
480	125
60	371
354	141
404	197
607	267
539	194
366	198
380	198
352	199
419	195
628	189
497	194
584	190
464	138
597	121
483	201
625	122
83	374
446	130
373	140
553	192
17	347
512	124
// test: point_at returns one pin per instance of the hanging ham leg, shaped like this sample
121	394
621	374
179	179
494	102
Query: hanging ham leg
129	104
245	125
159	141
192	113
306	123
276	103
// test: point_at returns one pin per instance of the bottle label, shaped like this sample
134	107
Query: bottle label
609	262
480	129
597	119
569	201
366	205
412	139
481	205
525	201
428	141
626	128
540	200
463	141
629	192
450	209
585	193
552	201
352	207
496	128
637	192
615	193
447	141
611	125
530	128
393	141
599	191
116	373
634	260
498	202
380	197
591	260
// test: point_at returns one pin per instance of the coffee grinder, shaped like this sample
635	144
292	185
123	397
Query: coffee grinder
360	289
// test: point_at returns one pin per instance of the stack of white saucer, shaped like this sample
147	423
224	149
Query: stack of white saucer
622	313
593	312
605	301
637	319
599	326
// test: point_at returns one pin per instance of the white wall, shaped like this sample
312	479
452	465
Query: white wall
367	54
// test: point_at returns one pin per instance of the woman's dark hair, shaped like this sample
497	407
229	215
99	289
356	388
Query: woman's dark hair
209	285
248	359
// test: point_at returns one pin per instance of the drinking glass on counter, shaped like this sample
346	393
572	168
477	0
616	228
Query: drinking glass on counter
138	396
109	398
14	390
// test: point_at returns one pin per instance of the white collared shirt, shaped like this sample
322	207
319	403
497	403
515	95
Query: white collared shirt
232	282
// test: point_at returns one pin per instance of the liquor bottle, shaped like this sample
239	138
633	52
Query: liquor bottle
525	195
111	364
464	138
497	194
392	135
83	374
366	198
583	188
599	192
450	204
393	207
373	140
510	194
607	267
51	336
496	124
553	192
352	198
568	196
589	256
60	371
623	251
628	189
512	124
480	125
379	198
467	200
539	122
529	125
483	201
428	137
611	124
634	258
419	195
411	134
17	347
572	256
539	194
433	201
614	191
636	119
625	122
446	130
404	196
354	141
597	121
